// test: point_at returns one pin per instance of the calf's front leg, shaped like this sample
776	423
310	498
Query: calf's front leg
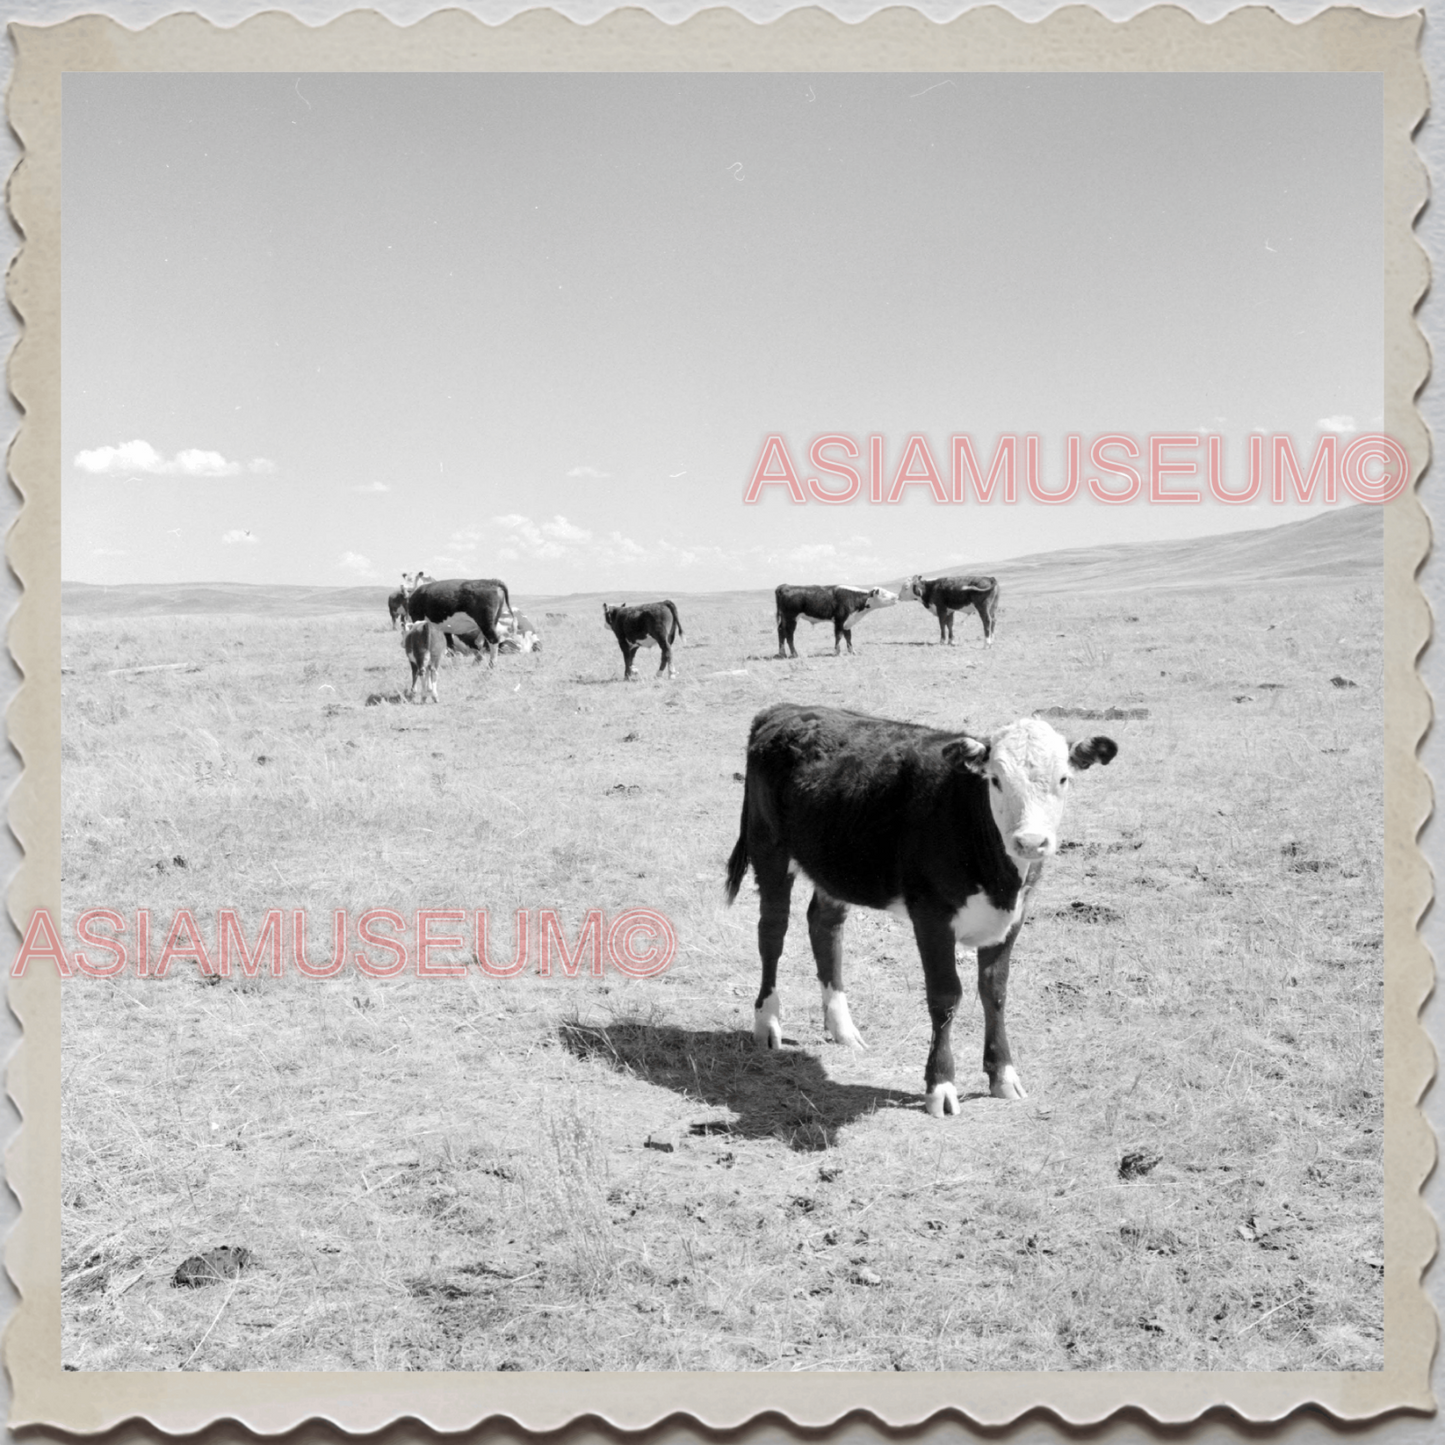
943	989
993	966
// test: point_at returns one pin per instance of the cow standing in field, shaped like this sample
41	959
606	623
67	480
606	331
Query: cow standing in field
640	626
943	596
424	645
839	605
481	600
396	603
949	830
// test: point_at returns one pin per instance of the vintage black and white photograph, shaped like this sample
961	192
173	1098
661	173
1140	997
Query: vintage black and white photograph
723	722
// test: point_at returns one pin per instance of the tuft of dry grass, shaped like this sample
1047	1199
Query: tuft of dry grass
474	1173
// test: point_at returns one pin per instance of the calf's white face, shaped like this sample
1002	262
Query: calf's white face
1028	769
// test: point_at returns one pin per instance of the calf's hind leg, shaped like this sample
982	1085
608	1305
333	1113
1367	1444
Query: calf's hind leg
825	933
775	889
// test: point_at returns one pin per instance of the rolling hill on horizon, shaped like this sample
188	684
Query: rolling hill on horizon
1341	544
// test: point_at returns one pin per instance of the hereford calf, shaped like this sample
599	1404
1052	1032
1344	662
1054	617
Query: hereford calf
943	596
949	830
641	626
842	606
425	644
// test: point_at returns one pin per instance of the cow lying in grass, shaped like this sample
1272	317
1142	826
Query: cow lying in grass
641	626
425	644
949	830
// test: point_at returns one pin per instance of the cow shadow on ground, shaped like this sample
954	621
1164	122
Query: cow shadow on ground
785	1095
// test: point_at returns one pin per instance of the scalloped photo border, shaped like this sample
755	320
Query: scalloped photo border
1075	39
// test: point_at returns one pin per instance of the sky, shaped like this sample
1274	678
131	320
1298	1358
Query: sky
323	329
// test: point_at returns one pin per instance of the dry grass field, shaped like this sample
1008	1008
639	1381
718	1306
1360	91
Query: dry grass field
575	1173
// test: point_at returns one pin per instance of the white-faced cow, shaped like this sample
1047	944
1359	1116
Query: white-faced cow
842	606
481	600
641	626
943	596
424	645
396	603
947	829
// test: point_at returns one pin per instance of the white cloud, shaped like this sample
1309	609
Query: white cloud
372	489
141	456
589	474
561	530
1342	424
354	562
236	534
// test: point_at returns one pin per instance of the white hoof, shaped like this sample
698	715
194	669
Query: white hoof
768	1023
942	1099
1007	1085
838	1022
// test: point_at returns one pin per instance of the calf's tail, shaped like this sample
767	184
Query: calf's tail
738	863
676	621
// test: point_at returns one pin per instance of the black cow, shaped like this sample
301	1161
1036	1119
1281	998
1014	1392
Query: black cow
424	645
481	600
641	626
839	605
948	829
944	596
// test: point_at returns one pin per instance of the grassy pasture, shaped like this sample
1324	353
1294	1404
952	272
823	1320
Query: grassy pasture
455	1173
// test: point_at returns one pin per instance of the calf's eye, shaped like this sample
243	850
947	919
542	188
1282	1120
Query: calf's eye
996	784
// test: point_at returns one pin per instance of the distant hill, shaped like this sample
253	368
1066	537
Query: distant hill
157	599
1342	545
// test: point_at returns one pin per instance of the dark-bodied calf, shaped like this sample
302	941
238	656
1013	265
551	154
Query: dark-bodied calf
841	606
641	626
947	829
943	596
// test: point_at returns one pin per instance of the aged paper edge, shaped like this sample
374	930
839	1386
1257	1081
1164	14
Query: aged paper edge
1074	39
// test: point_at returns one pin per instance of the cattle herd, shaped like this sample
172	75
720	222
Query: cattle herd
947	830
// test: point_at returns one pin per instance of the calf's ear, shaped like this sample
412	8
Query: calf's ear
970	753
1095	750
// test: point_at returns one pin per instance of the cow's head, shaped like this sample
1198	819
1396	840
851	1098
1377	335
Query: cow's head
609	613
879	597
912	590
1027	766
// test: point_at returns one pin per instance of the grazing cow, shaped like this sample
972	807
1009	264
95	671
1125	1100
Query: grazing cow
944	596
396	603
481	600
640	626
948	829
424	646
842	606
